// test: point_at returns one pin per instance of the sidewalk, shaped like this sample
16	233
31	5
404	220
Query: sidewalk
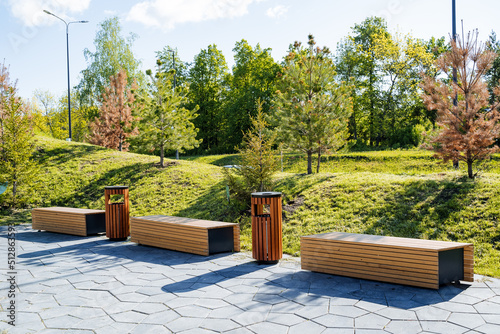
91	285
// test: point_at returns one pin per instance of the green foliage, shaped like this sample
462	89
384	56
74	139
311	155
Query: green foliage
207	88
170	61
312	109
493	74
384	70
254	78
113	53
166	123
258	161
16	145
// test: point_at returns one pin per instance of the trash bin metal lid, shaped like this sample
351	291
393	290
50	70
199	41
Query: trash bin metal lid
267	194
116	187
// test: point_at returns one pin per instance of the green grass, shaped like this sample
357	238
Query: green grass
397	193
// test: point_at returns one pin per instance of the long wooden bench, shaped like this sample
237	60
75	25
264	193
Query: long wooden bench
422	263
202	237
74	221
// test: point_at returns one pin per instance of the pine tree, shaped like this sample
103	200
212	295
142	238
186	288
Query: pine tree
166	123
312	109
258	160
16	141
469	128
116	122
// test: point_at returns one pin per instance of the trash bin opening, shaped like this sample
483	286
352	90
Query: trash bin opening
116	199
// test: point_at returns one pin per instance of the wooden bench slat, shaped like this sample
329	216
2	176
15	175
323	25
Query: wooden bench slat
73	221
377	267
364	275
395	242
389	259
180	234
369	259
373	252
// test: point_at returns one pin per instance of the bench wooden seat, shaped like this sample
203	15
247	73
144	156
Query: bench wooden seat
202	237
74	221
422	263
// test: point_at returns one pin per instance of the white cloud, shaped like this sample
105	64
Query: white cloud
277	12
30	12
167	14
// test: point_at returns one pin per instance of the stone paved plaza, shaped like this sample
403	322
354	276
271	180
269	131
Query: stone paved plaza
91	285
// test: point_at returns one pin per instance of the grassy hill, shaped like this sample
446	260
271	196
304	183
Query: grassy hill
398	193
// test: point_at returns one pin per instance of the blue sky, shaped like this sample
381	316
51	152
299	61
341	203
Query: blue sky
34	43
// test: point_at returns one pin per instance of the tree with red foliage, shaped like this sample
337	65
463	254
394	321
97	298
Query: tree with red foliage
116	122
469	126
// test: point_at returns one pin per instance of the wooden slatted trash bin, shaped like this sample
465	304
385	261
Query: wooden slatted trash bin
266	226
117	212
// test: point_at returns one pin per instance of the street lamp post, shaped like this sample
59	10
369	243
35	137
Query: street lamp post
67	63
175	73
454	36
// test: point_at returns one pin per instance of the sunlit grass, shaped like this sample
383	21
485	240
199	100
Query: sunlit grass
397	193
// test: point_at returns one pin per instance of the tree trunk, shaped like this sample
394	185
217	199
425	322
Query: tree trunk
309	162
456	164
162	153
319	160
469	169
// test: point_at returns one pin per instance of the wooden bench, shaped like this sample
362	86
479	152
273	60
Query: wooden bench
202	237
74	221
422	263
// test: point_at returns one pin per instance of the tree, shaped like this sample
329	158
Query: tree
365	38
254	77
16	141
166	123
116	122
312	109
113	53
258	160
47	103
207	86
401	59
493	74
167	57
470	127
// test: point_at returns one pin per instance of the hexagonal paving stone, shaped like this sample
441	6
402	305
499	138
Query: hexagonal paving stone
225	312
397	314
311	312
193	311
219	325
284	319
467	320
487	307
161	318
64	321
309	327
370	321
272	299
403	326
249	318
488	329
432	313
347	311
337	321
268	327
150	329
184	324
442	327
129	317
